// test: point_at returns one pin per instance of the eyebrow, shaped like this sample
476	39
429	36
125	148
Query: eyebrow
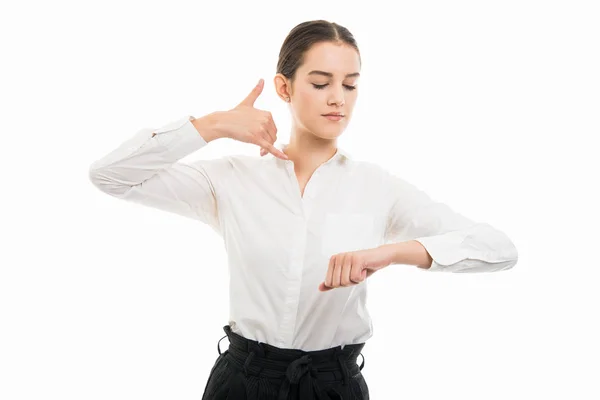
329	74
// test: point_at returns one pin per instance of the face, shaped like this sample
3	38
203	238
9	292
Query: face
326	82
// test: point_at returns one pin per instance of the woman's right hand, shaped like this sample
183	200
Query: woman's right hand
251	125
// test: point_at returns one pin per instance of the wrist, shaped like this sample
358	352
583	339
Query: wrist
207	126
409	252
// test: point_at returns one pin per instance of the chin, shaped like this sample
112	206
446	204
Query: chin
328	132
333	131
328	135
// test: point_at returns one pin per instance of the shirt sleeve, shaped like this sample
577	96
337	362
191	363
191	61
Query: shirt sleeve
145	169
455	242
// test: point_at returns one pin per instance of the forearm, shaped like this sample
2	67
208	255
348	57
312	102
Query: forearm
409	252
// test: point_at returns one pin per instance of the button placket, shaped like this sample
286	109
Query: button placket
310	192
293	289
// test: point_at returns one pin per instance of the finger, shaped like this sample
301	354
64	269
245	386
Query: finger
251	98
272	128
324	288
329	275
270	133
346	270
337	271
272	149
356	274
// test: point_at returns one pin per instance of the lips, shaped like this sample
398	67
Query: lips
334	117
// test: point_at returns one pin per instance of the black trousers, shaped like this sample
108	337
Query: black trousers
249	370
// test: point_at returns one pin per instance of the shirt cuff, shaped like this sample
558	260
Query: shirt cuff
180	136
444	249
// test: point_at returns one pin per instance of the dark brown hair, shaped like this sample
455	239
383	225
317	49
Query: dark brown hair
303	36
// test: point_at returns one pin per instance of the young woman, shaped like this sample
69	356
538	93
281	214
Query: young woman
304	225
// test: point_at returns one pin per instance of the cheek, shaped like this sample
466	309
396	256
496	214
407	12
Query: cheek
309	98
309	105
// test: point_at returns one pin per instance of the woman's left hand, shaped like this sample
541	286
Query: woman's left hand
347	269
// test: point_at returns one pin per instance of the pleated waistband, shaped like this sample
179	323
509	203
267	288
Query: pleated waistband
307	369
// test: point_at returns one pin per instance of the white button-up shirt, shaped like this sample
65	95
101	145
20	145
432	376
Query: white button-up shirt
279	242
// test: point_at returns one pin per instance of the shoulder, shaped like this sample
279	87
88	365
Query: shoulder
369	170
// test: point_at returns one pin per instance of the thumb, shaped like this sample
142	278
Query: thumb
251	98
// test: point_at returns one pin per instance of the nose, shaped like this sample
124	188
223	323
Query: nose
337	99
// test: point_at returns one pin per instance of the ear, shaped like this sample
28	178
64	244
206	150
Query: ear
282	87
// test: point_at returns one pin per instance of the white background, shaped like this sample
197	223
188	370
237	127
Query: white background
491	107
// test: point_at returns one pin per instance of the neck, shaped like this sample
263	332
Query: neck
308	151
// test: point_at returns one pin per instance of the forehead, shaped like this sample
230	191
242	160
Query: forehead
339	59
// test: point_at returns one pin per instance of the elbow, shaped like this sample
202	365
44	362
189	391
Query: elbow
101	180
511	256
504	254
507	259
504	260
93	176
510	264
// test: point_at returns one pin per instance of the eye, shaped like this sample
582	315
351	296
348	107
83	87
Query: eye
323	86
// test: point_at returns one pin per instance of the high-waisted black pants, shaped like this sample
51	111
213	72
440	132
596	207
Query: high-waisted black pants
249	370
